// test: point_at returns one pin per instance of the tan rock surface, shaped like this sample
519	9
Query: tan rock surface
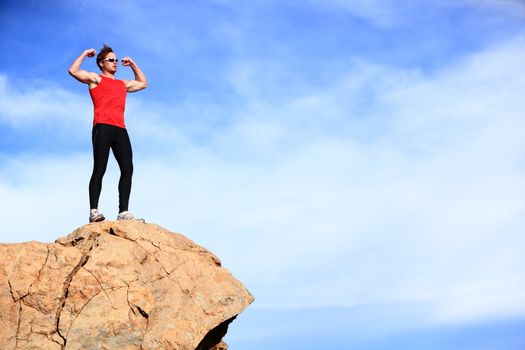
116	285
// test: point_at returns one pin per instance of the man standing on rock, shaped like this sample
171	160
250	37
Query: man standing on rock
109	131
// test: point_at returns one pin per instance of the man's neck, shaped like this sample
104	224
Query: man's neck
108	74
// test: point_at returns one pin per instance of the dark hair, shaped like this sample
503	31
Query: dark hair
102	54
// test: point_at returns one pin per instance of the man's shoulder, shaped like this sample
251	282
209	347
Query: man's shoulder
95	77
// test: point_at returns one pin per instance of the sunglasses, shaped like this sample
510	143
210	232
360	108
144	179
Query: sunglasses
111	60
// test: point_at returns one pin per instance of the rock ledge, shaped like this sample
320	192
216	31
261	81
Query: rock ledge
116	285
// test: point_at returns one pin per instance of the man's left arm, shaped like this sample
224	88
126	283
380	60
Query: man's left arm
140	82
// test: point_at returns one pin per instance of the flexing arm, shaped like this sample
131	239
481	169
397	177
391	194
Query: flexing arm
80	74
140	82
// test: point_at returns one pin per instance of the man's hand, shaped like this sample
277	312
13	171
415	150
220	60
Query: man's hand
81	75
127	61
140	82
90	52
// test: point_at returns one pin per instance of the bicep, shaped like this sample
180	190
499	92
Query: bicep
85	76
134	85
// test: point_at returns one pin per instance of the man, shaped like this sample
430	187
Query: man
109	131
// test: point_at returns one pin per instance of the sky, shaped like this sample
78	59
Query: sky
358	165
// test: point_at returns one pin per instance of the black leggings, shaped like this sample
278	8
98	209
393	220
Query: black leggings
104	137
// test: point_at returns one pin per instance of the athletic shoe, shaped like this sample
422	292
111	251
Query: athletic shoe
126	215
95	216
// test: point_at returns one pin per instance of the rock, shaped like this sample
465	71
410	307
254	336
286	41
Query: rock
116	285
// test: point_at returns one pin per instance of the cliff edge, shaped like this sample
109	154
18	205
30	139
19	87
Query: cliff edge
116	285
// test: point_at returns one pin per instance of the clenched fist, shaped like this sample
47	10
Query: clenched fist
127	61
90	52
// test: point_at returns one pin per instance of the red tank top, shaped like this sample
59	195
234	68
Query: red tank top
109	102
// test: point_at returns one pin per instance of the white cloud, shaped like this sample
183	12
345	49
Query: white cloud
388	13
43	197
42	102
510	7
420	212
379	12
425	206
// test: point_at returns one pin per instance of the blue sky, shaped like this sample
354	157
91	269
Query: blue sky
359	165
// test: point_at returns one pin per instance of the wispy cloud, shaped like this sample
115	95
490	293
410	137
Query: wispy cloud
414	204
380	12
321	174
40	101
389	13
510	7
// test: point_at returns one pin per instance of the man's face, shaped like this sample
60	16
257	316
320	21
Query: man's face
110	63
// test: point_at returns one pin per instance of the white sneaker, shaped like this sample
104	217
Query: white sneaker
126	215
95	216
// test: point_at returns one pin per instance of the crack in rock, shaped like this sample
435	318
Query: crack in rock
142	312
40	271
18	325
80	311
88	247
102	287
12	294
85	307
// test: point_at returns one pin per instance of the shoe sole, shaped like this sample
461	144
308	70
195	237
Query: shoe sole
98	219
140	220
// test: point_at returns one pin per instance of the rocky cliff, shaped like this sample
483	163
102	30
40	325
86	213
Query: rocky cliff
116	285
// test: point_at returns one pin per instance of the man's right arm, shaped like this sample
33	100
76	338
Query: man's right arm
80	74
